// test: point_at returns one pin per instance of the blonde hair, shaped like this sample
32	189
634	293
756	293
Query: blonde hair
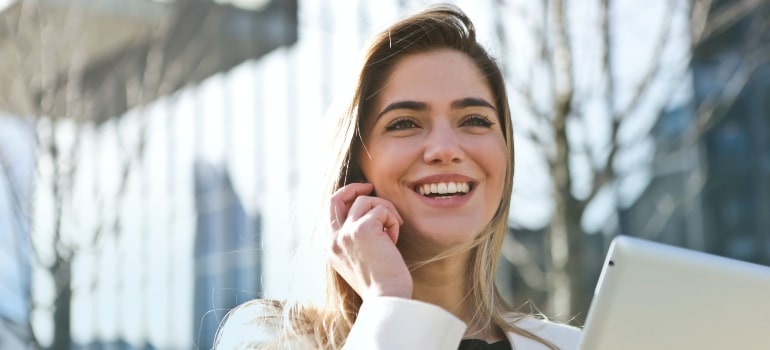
438	27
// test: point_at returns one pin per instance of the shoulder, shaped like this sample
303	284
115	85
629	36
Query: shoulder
252	325
564	336
398	323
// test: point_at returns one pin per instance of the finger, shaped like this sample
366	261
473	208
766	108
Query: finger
381	219
342	199
364	204
391	227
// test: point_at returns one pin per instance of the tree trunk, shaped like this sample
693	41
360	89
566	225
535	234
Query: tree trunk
61	314
577	267
568	295
60	270
558	240
558	252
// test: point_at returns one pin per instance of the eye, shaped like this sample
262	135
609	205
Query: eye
478	120
401	123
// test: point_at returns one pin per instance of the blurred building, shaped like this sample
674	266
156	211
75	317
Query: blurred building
16	173
227	252
711	188
108	64
736	195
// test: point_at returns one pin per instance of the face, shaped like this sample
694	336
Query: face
434	147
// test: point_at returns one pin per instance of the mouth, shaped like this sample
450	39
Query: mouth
444	189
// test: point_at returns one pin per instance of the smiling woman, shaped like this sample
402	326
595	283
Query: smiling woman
418	206
437	128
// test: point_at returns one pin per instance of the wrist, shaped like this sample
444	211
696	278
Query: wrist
403	291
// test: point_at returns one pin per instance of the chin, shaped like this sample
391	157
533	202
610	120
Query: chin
445	234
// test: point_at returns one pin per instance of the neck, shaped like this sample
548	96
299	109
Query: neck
445	283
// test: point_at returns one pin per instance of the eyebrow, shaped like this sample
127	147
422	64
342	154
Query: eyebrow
472	102
422	106
413	105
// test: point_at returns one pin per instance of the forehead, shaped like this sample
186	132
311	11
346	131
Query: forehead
436	78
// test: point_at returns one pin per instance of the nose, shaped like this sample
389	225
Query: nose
442	146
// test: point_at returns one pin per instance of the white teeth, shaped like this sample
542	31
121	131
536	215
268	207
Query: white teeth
444	188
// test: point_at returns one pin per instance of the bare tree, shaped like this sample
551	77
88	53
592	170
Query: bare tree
65	76
563	131
47	75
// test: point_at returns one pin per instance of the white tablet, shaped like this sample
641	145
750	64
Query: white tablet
655	296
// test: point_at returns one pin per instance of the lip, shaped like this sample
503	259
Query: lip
444	202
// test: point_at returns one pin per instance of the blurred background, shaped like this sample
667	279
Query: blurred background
160	161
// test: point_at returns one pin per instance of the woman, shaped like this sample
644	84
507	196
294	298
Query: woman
418	209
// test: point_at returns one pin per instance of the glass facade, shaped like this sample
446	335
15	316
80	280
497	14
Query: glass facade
712	155
227	252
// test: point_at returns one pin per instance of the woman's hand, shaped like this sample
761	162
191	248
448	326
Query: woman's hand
363	244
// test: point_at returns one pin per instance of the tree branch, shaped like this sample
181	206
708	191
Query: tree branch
524	90
644	84
605	174
665	208
518	255
699	15
563	90
604	49
20	332
602	175
726	16
562	63
19	214
715	107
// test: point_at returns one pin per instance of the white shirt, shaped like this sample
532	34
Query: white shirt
387	323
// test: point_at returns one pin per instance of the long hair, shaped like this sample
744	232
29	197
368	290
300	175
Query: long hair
438	27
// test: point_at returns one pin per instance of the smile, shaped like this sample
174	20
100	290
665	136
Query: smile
441	189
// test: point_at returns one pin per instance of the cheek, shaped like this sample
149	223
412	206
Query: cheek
493	156
383	163
495	162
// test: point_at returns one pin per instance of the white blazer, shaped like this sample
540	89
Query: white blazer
396	323
388	323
